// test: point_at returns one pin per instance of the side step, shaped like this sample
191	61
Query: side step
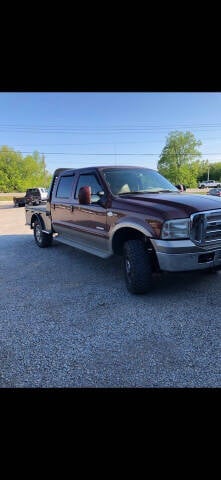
86	248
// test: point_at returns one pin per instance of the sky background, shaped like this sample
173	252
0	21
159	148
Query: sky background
83	129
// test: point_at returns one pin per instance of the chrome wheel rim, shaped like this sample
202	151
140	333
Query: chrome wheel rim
128	267
38	233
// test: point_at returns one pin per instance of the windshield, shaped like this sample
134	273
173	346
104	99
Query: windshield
136	180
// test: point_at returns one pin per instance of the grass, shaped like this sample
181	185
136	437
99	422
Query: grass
9	196
6	198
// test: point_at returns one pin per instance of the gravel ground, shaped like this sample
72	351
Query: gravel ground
67	320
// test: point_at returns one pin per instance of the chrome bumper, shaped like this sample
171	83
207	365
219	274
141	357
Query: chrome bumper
184	255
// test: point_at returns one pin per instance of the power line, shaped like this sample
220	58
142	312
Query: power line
85	129
110	154
85	143
98	143
138	125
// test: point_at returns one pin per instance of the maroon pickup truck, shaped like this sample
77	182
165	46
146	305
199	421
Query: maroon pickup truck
133	212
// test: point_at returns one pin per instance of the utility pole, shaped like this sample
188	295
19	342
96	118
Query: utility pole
43	160
208	174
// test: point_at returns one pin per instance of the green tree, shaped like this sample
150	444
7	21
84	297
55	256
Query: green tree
10	170
180	158
215	171
211	170
18	173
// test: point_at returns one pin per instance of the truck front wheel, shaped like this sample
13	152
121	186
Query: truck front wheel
137	267
42	239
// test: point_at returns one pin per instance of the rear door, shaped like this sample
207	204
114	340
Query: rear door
62	205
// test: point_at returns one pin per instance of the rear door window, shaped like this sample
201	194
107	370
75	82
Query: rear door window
65	185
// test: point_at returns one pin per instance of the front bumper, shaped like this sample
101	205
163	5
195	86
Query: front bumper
184	255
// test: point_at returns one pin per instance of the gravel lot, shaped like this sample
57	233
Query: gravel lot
67	320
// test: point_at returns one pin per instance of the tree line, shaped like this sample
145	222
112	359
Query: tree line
17	173
180	161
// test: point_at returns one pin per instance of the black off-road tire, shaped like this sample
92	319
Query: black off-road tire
211	271
137	267
42	239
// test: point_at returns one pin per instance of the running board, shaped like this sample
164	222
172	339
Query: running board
85	248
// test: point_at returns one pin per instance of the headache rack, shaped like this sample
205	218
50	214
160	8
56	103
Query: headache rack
205	227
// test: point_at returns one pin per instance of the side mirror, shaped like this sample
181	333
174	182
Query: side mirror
100	197
84	195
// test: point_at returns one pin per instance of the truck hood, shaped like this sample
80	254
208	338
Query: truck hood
170	205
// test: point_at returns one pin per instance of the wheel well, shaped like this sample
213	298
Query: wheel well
34	218
124	234
127	233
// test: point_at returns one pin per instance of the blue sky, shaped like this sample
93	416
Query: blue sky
83	129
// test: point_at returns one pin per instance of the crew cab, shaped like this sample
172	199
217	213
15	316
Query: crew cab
209	184
133	212
33	196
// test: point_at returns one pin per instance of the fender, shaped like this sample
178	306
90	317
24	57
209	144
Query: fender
132	222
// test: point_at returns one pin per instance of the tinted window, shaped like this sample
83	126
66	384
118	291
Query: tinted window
136	180
32	191
90	180
65	187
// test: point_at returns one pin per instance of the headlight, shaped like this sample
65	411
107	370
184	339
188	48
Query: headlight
176	229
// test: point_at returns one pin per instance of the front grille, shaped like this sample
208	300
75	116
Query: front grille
205	227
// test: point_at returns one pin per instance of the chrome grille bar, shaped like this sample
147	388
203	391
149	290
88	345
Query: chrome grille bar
206	227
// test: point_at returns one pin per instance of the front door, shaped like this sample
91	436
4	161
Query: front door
90	221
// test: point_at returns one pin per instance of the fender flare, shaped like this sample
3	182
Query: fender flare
131	224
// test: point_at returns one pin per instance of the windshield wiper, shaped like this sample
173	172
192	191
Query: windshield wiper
131	193
164	190
140	192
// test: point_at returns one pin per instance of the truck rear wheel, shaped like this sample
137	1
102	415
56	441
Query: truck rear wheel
42	239
137	267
